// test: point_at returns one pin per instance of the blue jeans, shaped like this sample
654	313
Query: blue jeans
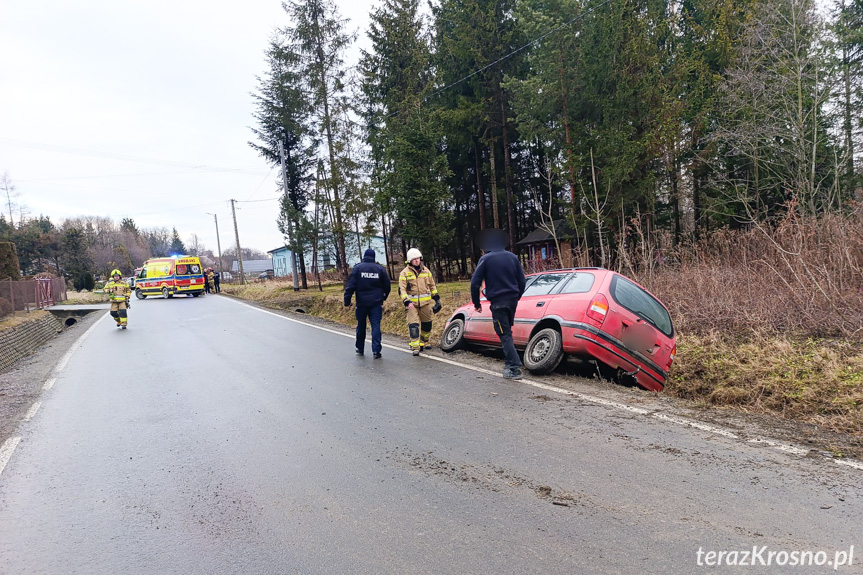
374	314
503	316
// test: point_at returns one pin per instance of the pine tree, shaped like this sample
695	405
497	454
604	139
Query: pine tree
316	35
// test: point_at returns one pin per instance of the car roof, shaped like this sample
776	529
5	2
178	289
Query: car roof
557	271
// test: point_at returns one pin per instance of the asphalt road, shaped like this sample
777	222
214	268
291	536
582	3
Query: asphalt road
213	437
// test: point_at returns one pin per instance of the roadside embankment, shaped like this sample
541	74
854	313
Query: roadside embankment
23	333
816	381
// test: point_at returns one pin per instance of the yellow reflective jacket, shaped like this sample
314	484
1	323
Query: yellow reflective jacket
416	286
118	291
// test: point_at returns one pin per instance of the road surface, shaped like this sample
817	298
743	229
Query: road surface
215	437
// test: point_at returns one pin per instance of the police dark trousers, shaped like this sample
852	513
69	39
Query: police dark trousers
371	283
503	316
373	314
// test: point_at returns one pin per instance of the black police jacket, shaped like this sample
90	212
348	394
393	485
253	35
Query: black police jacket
371	283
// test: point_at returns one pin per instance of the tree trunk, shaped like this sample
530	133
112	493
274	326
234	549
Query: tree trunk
493	175
507	165
480	193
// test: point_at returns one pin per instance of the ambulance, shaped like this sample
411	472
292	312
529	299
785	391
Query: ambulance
168	277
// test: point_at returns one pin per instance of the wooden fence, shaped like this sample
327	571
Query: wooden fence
30	294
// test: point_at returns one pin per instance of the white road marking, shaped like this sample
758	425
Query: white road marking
677	420
32	411
6	451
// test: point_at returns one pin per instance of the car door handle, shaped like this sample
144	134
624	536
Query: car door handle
540	304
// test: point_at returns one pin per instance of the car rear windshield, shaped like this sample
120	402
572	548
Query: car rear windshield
641	303
580	282
188	269
543	284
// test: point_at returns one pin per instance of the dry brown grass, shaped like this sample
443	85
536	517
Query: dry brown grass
329	304
812	380
83	297
20	318
769	320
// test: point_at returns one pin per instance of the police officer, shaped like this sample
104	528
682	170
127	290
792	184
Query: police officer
504	284
371	283
417	290
118	292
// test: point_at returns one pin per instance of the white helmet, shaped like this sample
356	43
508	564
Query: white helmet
413	254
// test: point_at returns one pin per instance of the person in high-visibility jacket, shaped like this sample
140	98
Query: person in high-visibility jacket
118	292
417	291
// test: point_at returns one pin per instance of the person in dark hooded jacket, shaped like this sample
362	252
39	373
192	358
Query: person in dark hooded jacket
371	283
504	283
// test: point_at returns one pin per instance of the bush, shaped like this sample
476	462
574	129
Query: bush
9	265
84	281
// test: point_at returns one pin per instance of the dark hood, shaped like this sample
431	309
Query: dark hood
369	256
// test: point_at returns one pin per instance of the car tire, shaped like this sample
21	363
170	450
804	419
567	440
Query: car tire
166	293
453	336
139	294
544	351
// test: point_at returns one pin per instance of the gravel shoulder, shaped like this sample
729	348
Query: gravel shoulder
21	385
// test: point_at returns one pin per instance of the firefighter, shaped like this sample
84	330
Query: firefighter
211	280
417	290
118	291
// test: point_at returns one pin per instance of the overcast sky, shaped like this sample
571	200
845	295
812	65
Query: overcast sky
142	110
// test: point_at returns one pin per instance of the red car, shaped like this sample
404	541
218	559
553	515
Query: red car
591	313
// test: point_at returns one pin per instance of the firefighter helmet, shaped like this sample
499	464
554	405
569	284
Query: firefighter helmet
413	254
116	273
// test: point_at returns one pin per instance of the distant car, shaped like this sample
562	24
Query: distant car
591	313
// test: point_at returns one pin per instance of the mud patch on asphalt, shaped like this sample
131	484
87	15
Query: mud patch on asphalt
494	479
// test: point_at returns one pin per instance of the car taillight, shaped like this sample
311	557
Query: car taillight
598	308
671	357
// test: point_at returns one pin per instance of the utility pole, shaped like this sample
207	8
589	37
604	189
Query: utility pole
239	251
218	241
290	224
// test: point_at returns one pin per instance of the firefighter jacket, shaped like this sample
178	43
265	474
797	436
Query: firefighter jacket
118	291
417	286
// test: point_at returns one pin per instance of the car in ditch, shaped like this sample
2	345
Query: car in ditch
588	313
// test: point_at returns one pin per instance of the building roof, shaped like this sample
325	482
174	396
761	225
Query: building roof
541	234
252	266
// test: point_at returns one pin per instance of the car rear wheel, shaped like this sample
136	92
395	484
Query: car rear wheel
544	351
139	294
453	336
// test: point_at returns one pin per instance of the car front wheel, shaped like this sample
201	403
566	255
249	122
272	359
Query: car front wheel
544	351
453	336
139	294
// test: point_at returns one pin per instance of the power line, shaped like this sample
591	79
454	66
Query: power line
517	50
120	157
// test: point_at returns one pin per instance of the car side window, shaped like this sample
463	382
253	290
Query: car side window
580	282
641	303
143	273
543	284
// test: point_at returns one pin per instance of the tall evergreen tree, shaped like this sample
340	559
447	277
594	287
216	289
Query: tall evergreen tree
282	114
177	245
412	168
317	36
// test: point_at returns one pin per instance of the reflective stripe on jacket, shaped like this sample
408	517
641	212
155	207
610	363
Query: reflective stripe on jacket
416	286
117	291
